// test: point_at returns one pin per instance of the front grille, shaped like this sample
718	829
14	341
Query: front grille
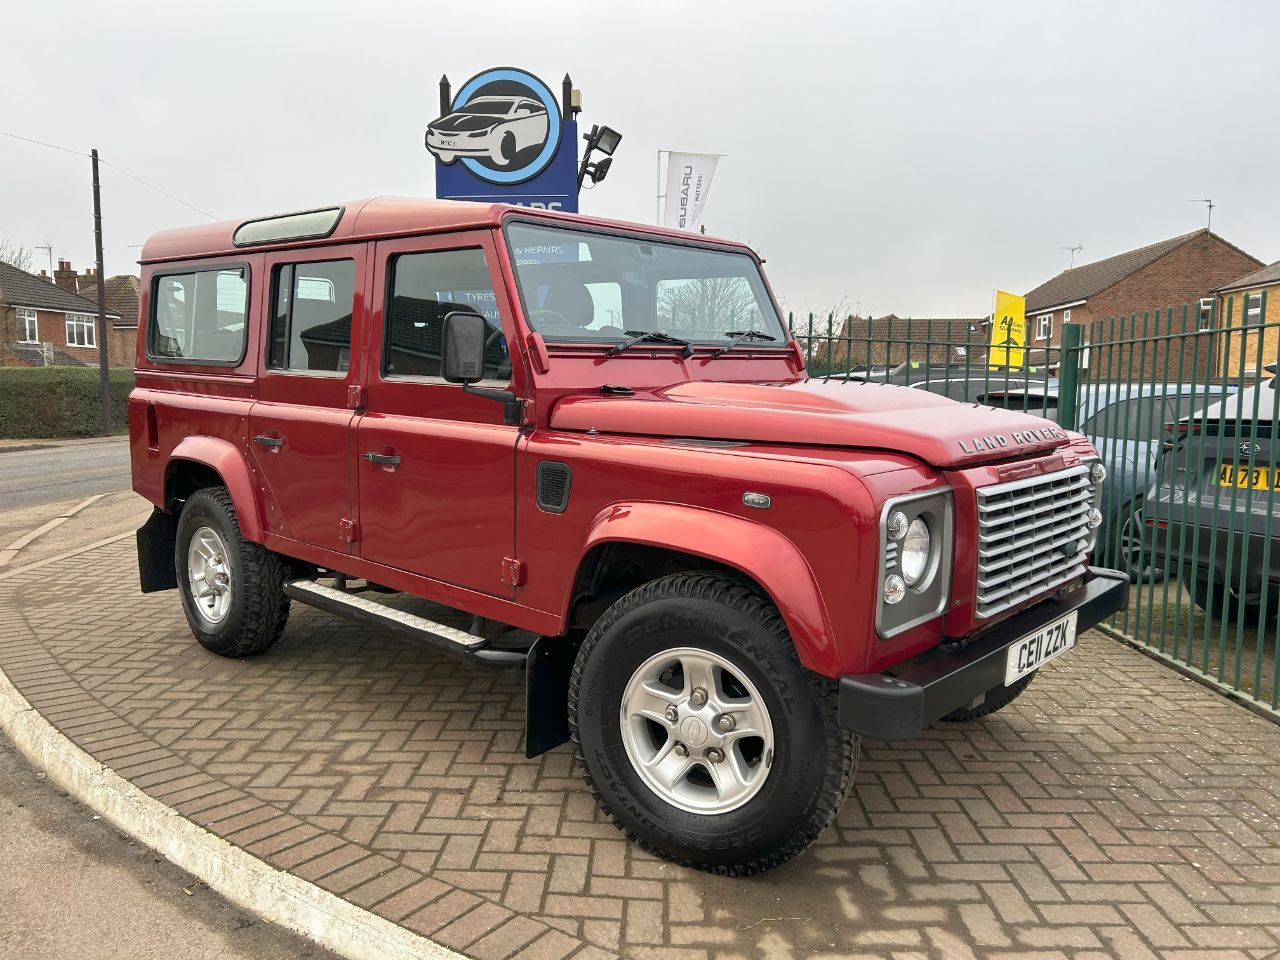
1032	536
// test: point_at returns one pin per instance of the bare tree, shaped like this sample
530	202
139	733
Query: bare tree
15	255
709	305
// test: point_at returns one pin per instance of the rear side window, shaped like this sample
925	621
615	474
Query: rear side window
200	317
311	305
425	288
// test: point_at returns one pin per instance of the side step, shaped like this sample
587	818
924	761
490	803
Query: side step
451	640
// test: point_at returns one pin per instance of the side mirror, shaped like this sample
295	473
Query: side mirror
462	347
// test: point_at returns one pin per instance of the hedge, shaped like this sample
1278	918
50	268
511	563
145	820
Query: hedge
40	402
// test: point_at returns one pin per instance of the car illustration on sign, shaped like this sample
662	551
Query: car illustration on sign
496	128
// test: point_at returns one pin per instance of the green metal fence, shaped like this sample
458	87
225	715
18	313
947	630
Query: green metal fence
1179	404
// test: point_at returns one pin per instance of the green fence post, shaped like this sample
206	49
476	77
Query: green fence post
1069	375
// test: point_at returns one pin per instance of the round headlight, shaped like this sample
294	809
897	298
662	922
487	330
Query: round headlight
897	527
1098	473
1094	518
894	589
914	559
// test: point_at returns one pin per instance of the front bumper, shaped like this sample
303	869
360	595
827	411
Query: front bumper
898	705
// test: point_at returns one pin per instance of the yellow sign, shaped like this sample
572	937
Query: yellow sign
1008	331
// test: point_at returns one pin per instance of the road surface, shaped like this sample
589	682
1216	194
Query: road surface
73	886
62	471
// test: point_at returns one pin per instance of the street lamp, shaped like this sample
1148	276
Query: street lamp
604	139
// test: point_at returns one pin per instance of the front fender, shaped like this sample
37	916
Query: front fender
760	552
229	463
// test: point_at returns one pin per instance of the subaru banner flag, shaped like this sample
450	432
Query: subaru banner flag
688	183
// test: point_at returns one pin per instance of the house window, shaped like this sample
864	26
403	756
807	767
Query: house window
1044	326
1066	316
28	328
80	330
1206	313
1252	309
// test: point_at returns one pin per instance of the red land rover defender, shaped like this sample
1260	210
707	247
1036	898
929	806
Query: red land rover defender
598	439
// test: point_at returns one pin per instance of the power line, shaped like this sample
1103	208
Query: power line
108	163
51	146
206	213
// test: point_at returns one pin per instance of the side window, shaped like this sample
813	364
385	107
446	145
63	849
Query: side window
200	316
311	306
425	287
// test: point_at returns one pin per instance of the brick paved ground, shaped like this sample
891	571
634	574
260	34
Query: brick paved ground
1115	810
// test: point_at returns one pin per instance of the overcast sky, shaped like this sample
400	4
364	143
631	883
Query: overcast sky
907	157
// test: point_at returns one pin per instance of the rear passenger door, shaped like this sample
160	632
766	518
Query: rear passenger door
436	473
300	430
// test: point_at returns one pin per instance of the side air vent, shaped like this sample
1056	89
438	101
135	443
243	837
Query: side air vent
553	486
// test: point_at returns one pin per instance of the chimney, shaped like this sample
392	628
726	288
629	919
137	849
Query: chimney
64	276
86	282
44	275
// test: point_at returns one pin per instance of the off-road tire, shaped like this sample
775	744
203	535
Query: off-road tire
813	759
259	608
996	699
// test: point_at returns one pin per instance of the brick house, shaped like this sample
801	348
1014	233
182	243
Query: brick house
1240	306
1170	274
889	340
47	322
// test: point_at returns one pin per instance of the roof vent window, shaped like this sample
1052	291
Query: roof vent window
307	225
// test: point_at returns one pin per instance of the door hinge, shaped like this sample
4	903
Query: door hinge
348	531
512	572
526	412
355	397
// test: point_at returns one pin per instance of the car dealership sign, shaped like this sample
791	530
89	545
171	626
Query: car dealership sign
503	138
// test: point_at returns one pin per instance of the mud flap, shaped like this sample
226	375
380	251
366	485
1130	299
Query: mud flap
156	541
546	699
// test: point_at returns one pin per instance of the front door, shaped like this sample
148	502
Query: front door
436	468
300	430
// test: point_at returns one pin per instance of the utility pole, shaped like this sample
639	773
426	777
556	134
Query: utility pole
104	376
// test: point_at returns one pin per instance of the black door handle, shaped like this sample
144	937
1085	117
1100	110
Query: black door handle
263	440
383	459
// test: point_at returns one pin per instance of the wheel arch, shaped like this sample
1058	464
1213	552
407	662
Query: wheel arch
630	544
199	462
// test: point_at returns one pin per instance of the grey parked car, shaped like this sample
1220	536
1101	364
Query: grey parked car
1214	509
1126	422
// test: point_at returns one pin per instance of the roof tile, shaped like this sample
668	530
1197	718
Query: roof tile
21	289
1084	281
1259	278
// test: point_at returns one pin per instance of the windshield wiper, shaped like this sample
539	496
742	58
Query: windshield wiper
653	336
739	336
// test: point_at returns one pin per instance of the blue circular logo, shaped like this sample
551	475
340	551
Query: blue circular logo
504	127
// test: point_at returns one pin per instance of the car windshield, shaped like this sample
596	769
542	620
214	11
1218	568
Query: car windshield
487	106
601	287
